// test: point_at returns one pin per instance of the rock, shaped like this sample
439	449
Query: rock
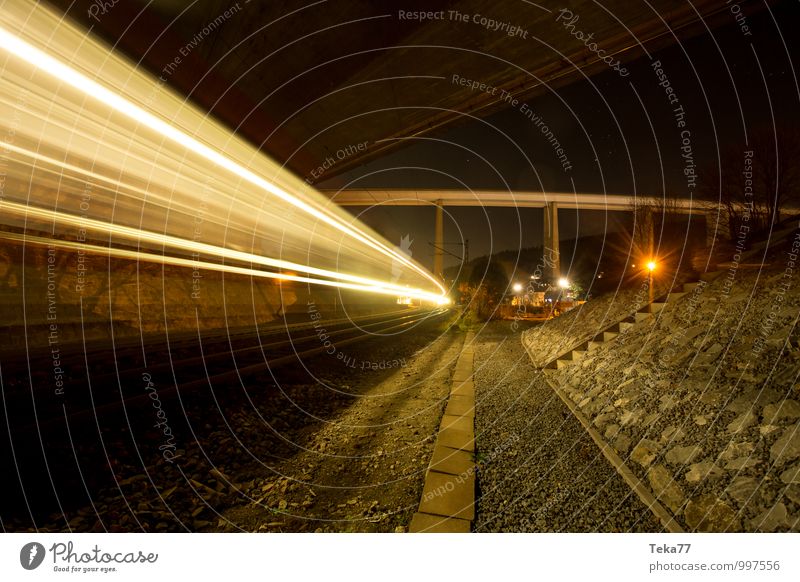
665	488
650	419
218	474
771	519
741	463
787	447
700	420
753	399
400	529
705	359
788	409
741	404
596	391
622	443
676	359
683	455
668	402
645	452
673	434
734	450
706	513
693	332
743	490
626	385
742	422
767	429
712	396
792	492
631	417
612	430
603	419
702	471
791	476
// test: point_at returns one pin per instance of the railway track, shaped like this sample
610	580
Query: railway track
103	379
56	450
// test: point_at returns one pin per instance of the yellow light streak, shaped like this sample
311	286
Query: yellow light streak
137	236
196	264
94	90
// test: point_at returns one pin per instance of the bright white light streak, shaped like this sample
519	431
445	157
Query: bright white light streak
136	235
62	72
181	262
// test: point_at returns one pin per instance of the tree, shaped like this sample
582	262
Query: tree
753	182
490	283
776	175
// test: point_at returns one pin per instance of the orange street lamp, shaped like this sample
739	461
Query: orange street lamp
651	267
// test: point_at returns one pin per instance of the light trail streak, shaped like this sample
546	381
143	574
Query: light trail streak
137	236
162	180
195	264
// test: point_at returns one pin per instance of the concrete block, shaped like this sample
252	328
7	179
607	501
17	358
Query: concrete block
427	523
449	495
451	461
460	406
456	439
464	423
463	388
462	374
563	363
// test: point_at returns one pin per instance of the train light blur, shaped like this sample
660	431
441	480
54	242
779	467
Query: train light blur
85	119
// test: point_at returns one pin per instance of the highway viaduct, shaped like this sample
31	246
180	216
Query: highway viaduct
549	201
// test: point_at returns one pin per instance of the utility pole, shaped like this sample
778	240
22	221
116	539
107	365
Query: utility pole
438	244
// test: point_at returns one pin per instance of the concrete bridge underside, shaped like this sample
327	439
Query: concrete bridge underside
549	201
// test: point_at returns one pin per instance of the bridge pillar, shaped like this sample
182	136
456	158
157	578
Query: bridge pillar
552	257
649	232
438	242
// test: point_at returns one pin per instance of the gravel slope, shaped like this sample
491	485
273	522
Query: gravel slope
703	401
538	470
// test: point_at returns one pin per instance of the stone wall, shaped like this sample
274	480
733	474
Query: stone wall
556	336
703	400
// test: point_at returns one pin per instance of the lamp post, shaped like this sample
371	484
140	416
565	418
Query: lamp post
651	267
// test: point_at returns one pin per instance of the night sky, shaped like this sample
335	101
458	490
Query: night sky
620	135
